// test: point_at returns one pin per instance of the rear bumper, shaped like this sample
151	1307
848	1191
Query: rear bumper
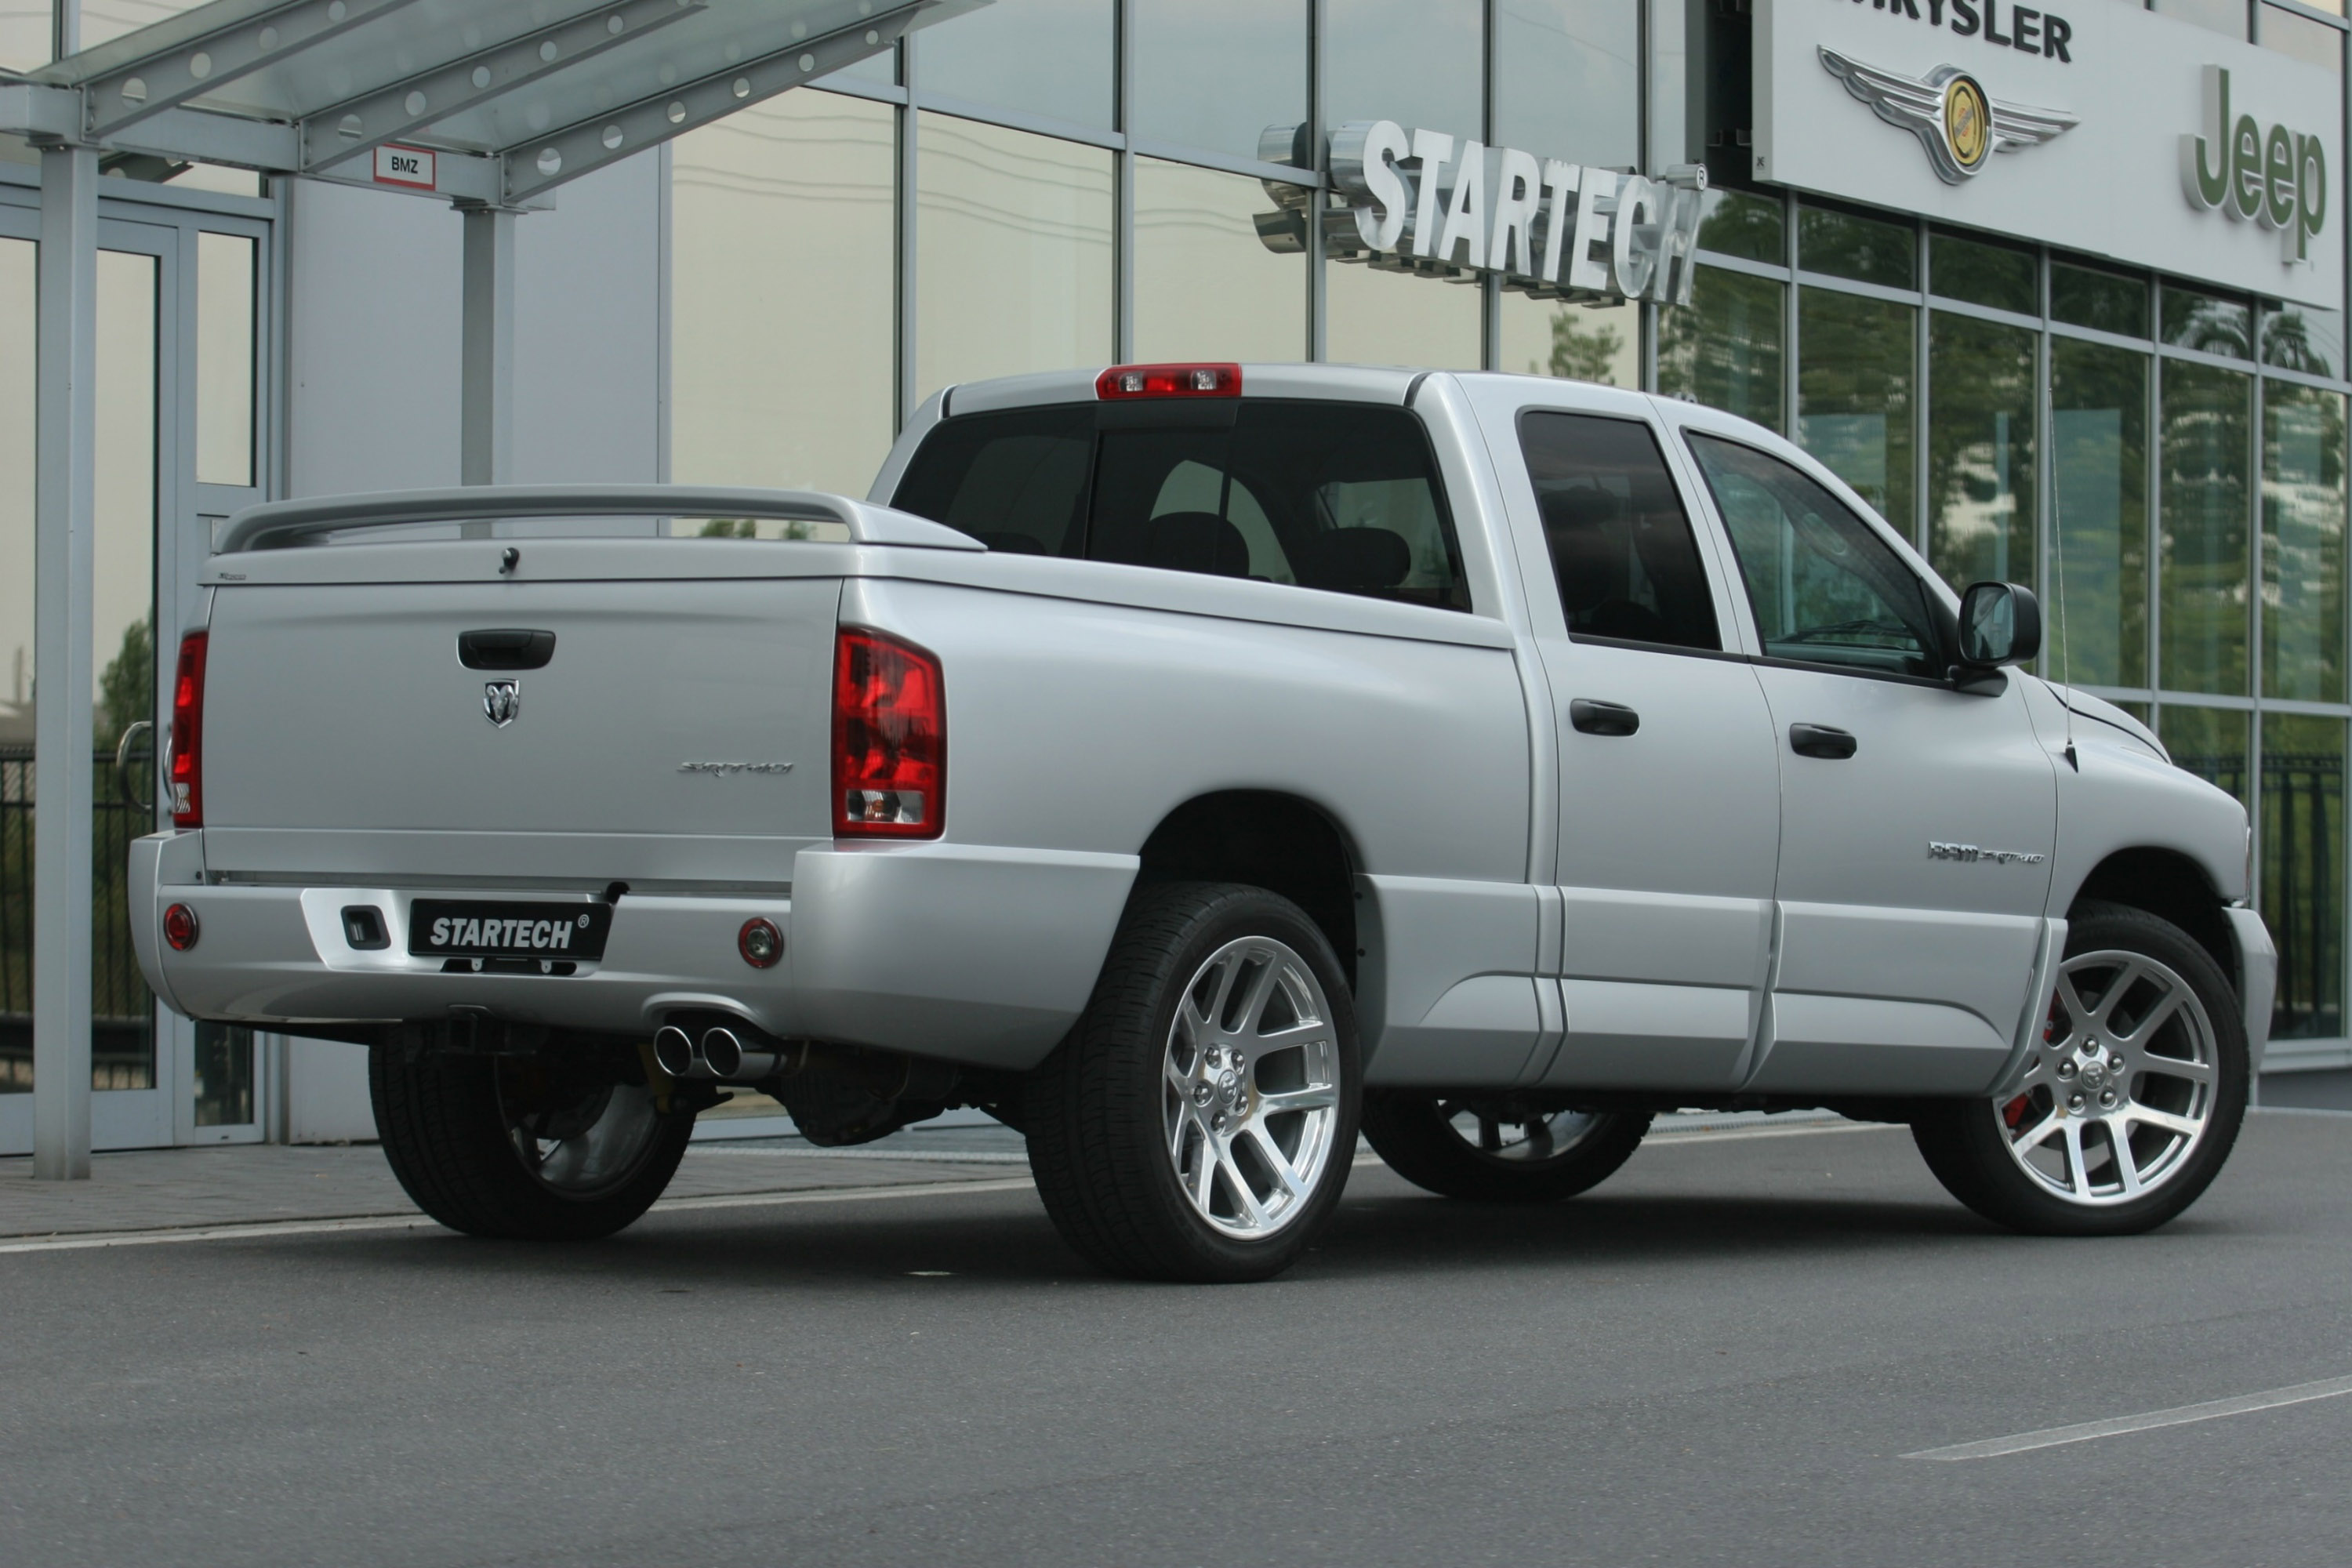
967	954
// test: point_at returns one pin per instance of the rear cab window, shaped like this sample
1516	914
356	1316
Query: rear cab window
1336	496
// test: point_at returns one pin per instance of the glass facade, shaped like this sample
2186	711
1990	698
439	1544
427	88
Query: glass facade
1040	184
1043	183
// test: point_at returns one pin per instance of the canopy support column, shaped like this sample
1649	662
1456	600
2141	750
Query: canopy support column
64	568
486	403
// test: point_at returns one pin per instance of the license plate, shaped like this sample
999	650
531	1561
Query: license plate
439	928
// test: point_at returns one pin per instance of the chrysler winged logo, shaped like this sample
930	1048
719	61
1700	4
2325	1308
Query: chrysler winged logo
501	701
1959	124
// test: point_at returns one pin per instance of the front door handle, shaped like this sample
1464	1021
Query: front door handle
1603	717
1820	741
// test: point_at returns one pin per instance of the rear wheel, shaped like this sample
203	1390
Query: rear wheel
1200	1121
547	1148
2131	1102
1492	1150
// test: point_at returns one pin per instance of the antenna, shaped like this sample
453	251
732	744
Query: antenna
2058	566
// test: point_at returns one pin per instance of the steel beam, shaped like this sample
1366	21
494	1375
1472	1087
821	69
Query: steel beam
486	398
203	136
545	162
64	522
195	66
346	129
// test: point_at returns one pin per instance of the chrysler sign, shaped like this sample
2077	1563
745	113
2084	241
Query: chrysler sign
2107	130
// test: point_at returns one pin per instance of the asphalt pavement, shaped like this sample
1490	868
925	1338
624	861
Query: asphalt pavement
1722	1356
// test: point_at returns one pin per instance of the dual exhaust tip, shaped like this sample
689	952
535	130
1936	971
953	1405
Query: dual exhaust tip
732	1053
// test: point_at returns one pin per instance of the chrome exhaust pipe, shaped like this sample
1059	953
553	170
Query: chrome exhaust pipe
674	1049
726	1056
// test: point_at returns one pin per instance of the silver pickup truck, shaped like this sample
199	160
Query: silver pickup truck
1190	765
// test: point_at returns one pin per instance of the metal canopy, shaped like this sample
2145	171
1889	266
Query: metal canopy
514	97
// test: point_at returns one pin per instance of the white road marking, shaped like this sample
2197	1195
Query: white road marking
89	1240
2178	1415
418	1222
1666	1140
938	1156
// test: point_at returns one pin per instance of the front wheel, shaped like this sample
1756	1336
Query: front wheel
1491	1149
2132	1099
1199	1122
554	1147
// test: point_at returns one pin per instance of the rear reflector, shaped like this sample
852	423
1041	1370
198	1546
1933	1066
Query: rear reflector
889	739
188	734
1170	381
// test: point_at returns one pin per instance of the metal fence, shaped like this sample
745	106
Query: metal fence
122	1031
2302	880
2302	901
2303	890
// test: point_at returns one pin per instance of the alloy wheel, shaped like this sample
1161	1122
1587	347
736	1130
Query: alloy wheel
2121	1088
1250	1092
580	1142
1517	1135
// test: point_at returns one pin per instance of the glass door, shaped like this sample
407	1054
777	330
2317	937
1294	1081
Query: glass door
179	335
223	274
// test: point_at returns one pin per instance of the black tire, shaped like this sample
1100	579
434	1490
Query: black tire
1416	1135
1099	1111
454	1126
1967	1143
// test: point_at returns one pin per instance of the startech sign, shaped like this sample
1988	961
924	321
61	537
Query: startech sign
1427	200
2083	131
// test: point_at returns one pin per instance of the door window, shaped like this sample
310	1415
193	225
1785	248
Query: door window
1623	554
1825	588
1339	497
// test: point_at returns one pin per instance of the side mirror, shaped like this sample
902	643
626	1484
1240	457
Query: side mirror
2000	623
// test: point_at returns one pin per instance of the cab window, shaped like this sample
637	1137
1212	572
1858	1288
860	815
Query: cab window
1339	497
1623	555
1826	589
1013	481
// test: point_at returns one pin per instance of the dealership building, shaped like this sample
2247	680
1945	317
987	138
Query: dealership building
2060	293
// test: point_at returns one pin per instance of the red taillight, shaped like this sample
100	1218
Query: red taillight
1170	381
889	739
188	734
180	927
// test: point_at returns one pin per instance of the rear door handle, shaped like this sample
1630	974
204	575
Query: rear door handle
505	650
1603	717
1820	741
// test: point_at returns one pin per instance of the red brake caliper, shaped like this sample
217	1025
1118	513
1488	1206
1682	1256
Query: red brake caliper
2014	1111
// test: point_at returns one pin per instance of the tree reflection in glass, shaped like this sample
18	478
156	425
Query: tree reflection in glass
2203	563
1980	451
1855	381
1723	347
2097	608
2302	542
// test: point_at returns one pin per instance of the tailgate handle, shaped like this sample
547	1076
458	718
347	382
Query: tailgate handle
505	650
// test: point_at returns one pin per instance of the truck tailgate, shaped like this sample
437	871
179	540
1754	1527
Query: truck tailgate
692	715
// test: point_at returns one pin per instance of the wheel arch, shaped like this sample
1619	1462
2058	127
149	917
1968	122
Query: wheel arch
1268	838
2170	886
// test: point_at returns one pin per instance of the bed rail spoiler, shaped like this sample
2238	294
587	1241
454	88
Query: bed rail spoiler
279	525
